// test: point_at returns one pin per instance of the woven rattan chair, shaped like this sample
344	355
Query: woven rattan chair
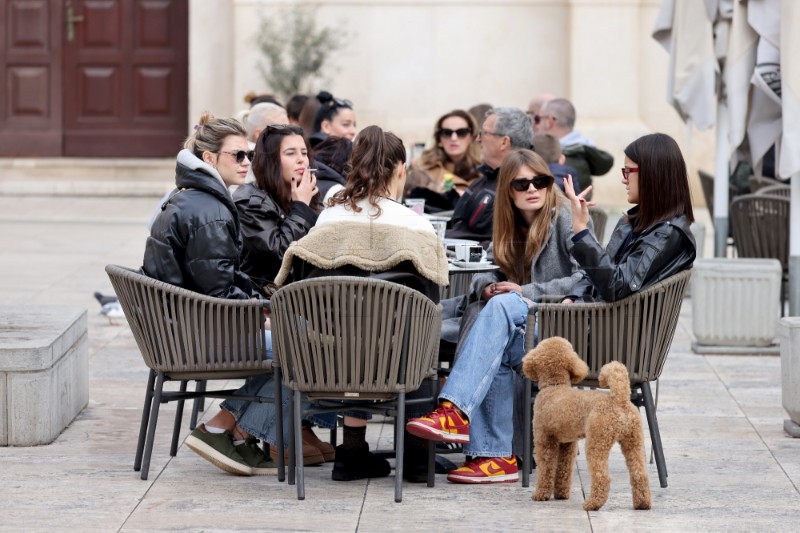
599	220
760	224
784	191
185	336
636	331
344	339
759	182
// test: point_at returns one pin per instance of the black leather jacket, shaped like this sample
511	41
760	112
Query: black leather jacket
632	262
194	242
267	231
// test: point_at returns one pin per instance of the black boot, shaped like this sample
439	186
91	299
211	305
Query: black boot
358	463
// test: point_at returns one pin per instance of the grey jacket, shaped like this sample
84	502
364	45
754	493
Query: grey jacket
553	270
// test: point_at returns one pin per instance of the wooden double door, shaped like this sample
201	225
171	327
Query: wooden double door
105	78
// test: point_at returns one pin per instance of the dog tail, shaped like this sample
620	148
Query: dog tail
614	375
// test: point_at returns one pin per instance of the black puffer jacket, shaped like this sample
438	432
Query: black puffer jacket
194	242
631	262
268	231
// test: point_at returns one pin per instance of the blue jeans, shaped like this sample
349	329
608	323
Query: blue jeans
481	382
259	419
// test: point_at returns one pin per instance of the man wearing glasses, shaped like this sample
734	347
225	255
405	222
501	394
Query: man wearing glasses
557	117
504	129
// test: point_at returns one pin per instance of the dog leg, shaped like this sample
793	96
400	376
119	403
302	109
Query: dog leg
632	446
567	454
546	457
598	448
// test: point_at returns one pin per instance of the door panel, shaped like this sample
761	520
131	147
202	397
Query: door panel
126	77
30	71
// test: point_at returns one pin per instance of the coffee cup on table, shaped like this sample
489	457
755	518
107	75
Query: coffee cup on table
469	253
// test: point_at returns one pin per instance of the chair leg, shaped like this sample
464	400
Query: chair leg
291	465
333	435
198	404
278	402
176	429
655	435
298	444
398	446
527	435
148	402
151	427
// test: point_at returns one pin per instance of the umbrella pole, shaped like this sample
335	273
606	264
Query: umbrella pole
794	248
721	181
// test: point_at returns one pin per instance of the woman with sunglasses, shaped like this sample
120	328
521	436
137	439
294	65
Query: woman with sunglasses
280	206
652	241
531	244
194	238
450	165
334	117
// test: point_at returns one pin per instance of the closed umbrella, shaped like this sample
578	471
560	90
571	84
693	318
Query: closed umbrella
789	160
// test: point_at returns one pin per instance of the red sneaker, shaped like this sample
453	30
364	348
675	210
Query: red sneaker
486	470
445	424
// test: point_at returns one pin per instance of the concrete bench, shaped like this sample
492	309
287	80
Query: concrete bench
44	372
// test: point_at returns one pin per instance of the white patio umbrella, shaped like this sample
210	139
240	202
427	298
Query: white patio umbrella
745	54
789	161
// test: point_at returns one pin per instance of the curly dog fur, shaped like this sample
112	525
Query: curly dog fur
563	415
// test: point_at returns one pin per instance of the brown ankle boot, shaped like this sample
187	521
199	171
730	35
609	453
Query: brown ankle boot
325	448
311	455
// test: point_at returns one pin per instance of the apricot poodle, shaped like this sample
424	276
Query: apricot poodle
563	415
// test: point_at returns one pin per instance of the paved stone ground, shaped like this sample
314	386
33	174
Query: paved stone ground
731	466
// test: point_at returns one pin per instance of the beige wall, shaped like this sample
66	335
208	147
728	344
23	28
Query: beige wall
409	61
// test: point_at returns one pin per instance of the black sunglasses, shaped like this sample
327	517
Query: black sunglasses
538	182
461	133
241	154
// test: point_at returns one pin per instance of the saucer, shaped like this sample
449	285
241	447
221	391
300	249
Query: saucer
468	265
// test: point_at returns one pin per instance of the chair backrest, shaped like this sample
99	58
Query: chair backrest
760	224
190	335
636	331
599	220
759	182
354	337
779	189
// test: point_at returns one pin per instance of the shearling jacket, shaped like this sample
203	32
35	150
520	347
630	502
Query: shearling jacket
632	262
407	256
194	241
267	231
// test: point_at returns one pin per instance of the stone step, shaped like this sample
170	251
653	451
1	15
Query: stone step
73	176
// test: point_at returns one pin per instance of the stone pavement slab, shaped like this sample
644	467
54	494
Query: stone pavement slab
731	467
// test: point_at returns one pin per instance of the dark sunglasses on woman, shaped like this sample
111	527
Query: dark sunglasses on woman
241	154
461	133
538	182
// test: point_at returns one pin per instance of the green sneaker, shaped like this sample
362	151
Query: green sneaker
218	449
255	457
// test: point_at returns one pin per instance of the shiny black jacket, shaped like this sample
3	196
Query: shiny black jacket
194	242
267	231
632	262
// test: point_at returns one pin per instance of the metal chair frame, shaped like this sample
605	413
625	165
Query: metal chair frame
636	331
352	343
182	336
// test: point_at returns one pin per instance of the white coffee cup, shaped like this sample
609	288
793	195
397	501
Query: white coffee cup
416	204
469	253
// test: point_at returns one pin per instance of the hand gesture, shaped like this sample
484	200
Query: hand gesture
304	187
501	287
580	207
